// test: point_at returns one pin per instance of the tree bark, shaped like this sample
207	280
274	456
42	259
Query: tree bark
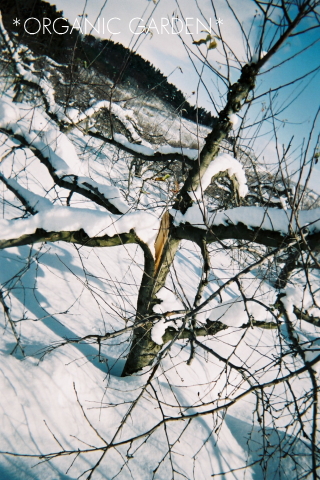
143	349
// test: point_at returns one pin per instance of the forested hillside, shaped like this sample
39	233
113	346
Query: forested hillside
123	66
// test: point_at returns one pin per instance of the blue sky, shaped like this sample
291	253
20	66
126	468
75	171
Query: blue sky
166	51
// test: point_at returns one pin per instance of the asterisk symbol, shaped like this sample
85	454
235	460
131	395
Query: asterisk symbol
219	21
16	22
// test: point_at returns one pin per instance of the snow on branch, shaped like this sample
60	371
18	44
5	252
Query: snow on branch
32	202
190	153
271	219
274	219
57	153
95	224
120	113
223	164
139	146
160	154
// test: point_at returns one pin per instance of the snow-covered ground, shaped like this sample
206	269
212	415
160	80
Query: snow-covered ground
58	298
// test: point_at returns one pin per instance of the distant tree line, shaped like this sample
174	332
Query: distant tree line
111	59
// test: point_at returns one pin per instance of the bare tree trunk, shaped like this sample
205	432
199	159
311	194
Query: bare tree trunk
143	349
